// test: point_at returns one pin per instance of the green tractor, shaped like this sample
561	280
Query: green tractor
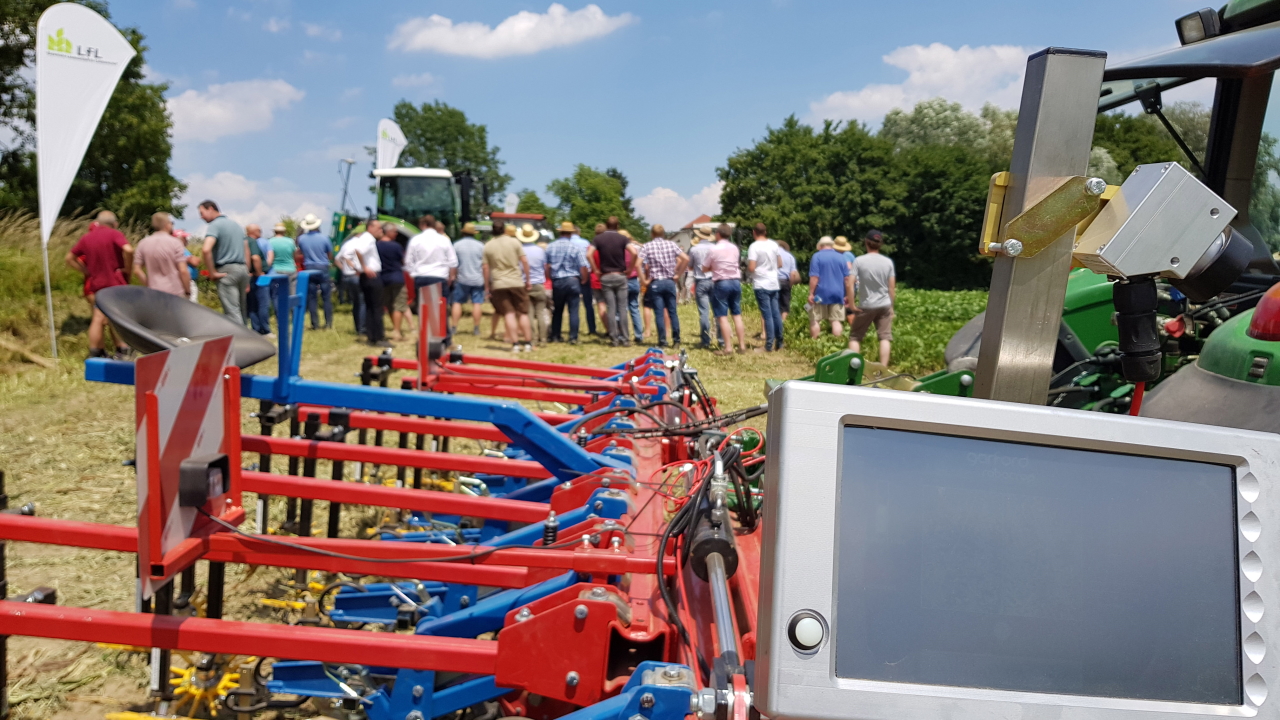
1217	365
405	194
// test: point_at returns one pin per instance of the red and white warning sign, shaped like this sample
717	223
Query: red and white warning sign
186	409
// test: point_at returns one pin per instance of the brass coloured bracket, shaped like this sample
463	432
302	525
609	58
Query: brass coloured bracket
1073	201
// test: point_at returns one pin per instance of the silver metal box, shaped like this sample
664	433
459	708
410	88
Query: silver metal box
1159	223
801	568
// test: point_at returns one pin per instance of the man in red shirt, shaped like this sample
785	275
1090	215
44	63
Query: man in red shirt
103	255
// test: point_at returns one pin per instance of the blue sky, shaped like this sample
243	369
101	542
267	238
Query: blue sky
268	95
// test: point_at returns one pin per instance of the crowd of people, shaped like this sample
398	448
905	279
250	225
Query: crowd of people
624	289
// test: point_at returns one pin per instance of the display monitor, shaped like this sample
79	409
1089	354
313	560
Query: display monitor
928	557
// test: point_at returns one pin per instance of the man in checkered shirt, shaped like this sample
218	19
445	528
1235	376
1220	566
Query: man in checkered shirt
567	267
661	262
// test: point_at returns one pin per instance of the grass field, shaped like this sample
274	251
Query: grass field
62	442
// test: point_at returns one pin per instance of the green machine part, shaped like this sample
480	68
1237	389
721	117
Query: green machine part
1088	309
848	367
1230	352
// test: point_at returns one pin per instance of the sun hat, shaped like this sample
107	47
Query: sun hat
526	234
310	222
842	244
566	226
280	227
469	229
509	229
702	233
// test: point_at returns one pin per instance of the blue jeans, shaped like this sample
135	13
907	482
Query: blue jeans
565	293
663	293
633	306
726	299
772	315
259	302
320	289
702	291
351	284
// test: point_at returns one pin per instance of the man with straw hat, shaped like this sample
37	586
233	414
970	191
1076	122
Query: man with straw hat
317	256
568	268
468	283
539	310
506	272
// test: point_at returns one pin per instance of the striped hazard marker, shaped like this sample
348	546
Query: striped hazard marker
183	410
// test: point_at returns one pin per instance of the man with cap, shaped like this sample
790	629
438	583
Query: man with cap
317	256
568	269
877	290
703	286
539	312
468	279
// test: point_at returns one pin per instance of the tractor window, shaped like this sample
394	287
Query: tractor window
409	197
1264	207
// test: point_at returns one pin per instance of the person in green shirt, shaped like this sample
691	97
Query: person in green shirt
280	259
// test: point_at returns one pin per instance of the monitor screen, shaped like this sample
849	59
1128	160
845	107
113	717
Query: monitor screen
985	564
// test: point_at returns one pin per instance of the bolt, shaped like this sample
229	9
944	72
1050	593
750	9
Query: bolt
706	702
418	691
1010	247
595	538
571	679
672	672
604	483
966	380
580	612
524	614
616	542
413	715
566	484
598	593
1095	185
464	601
647	701
597	505
855	363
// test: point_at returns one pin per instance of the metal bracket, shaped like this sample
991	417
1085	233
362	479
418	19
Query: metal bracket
1074	200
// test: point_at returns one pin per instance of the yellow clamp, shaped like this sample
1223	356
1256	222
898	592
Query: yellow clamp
1075	202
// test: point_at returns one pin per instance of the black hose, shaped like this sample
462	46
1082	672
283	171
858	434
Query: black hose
672	403
614	411
334	586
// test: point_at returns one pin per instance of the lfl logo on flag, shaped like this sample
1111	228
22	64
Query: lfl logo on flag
59	43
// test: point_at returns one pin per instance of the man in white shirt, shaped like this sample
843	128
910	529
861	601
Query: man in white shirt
345	260
430	260
361	255
763	259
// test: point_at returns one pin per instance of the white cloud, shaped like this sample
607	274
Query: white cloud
418	80
320	31
674	211
970	76
275	25
250	201
230	108
352	93
524	33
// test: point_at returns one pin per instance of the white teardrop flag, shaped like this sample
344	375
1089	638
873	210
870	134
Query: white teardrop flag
391	141
79	59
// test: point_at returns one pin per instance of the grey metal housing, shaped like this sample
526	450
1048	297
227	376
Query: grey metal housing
798	561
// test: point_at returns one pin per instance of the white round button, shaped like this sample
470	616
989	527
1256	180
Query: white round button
807	633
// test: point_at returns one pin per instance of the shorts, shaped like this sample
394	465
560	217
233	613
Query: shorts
463	294
726	298
510	300
648	299
881	316
395	298
830	313
784	295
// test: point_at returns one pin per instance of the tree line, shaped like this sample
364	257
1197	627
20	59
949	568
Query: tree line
922	180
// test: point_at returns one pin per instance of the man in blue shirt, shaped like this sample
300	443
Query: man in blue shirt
317	255
588	301
830	288
568	268
468	283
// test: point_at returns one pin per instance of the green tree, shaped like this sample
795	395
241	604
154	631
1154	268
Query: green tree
126	166
1264	208
936	238
805	182
933	122
590	196
441	137
1134	140
530	202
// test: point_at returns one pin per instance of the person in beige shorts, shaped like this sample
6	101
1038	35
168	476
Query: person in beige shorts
830	288
877	289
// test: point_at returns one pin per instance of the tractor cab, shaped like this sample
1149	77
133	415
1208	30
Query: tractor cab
406	194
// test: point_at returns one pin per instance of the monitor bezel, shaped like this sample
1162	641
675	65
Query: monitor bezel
805	431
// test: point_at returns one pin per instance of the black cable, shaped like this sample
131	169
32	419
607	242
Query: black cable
691	428
620	409
1224	301
672	403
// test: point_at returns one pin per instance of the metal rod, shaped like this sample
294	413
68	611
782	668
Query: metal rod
725	630
267	425
291	507
338	434
160	688
217	583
